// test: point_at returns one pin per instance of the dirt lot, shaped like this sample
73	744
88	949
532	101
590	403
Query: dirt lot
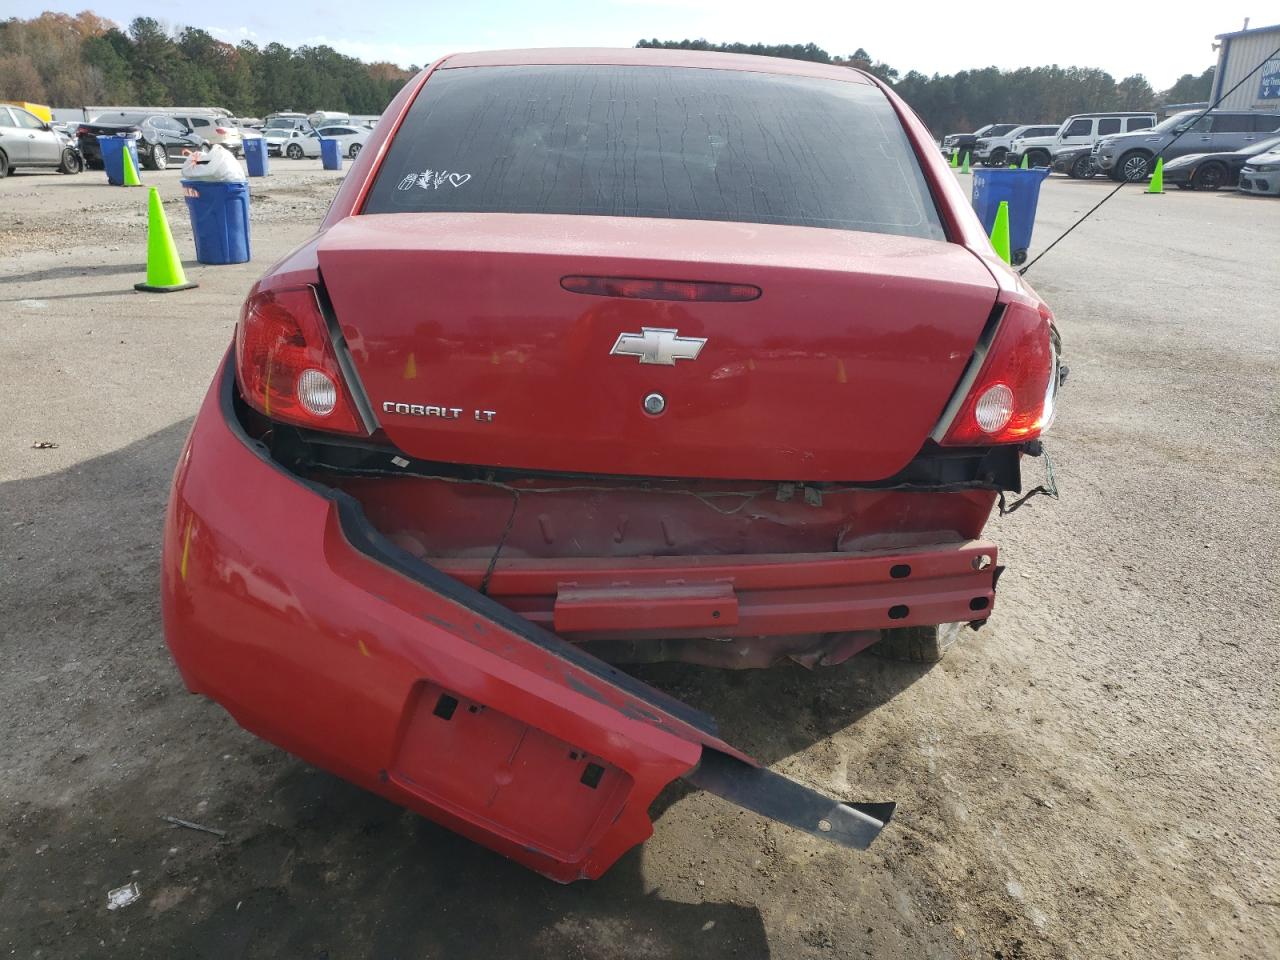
1094	774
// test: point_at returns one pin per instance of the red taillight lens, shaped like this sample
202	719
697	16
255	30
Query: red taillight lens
632	288
221	130
286	366
1012	400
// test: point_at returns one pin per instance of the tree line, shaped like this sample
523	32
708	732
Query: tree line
82	60
72	61
966	100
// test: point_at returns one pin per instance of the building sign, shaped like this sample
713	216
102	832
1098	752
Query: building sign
1269	86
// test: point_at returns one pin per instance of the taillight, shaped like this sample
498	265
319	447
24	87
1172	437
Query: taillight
221	130
1012	399
634	288
286	366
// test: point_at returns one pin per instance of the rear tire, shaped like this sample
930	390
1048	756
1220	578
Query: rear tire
354	151
918	644
157	157
4	165
1211	176
1039	158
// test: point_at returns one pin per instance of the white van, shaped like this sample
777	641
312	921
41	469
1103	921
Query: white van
1079	130
325	118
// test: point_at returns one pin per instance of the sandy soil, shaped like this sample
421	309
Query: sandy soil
1093	775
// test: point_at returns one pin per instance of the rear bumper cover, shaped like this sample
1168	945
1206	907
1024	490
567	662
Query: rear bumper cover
316	633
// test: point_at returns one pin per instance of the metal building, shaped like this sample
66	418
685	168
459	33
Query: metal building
1239	53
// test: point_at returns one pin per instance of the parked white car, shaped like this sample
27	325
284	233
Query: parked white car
1261	175
294	144
351	138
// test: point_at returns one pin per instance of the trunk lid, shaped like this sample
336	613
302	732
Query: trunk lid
472	352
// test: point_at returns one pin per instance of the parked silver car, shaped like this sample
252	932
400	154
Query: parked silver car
27	141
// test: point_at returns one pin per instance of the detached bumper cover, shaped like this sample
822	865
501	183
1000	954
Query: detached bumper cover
316	633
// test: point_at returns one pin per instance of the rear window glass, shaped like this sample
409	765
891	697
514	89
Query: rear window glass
678	143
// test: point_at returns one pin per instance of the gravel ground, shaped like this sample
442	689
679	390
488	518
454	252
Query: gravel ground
1093	775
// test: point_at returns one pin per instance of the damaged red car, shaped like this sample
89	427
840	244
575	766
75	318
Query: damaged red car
601	357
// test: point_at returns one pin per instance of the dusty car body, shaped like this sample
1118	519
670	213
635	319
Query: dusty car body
470	450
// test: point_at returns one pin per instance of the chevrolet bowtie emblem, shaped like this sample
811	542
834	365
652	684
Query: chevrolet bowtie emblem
655	345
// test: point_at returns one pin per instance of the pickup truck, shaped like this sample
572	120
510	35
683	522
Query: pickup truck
994	151
962	143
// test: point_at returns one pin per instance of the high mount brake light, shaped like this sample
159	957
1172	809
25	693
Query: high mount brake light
285	364
632	288
1012	399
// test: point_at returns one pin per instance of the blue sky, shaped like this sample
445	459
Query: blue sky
926	35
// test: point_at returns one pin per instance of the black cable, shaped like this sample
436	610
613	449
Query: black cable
1123	183
502	541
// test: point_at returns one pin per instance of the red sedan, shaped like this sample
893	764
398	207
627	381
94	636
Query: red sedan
601	356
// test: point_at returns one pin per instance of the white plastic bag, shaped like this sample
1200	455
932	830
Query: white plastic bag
219	165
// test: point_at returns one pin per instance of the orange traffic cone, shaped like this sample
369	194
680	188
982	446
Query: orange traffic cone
164	268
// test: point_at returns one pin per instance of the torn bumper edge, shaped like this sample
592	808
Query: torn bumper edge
284	605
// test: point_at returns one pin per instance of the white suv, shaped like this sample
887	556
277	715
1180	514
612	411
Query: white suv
213	128
994	151
1080	130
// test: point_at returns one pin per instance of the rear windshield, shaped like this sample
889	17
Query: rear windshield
679	143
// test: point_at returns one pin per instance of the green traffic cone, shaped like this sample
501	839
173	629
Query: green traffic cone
1000	231
955	159
164	268
1014	166
1024	165
130	171
965	168
1157	179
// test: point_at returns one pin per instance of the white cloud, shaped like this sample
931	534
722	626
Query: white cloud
401	54
234	36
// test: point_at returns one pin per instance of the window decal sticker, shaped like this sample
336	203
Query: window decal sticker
433	180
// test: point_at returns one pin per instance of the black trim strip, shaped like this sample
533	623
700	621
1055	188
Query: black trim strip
970	374
774	796
343	354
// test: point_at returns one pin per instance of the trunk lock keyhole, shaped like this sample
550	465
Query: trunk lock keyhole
654	404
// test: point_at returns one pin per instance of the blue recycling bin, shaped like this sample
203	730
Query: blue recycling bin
255	156
1022	189
219	219
113	149
331	153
